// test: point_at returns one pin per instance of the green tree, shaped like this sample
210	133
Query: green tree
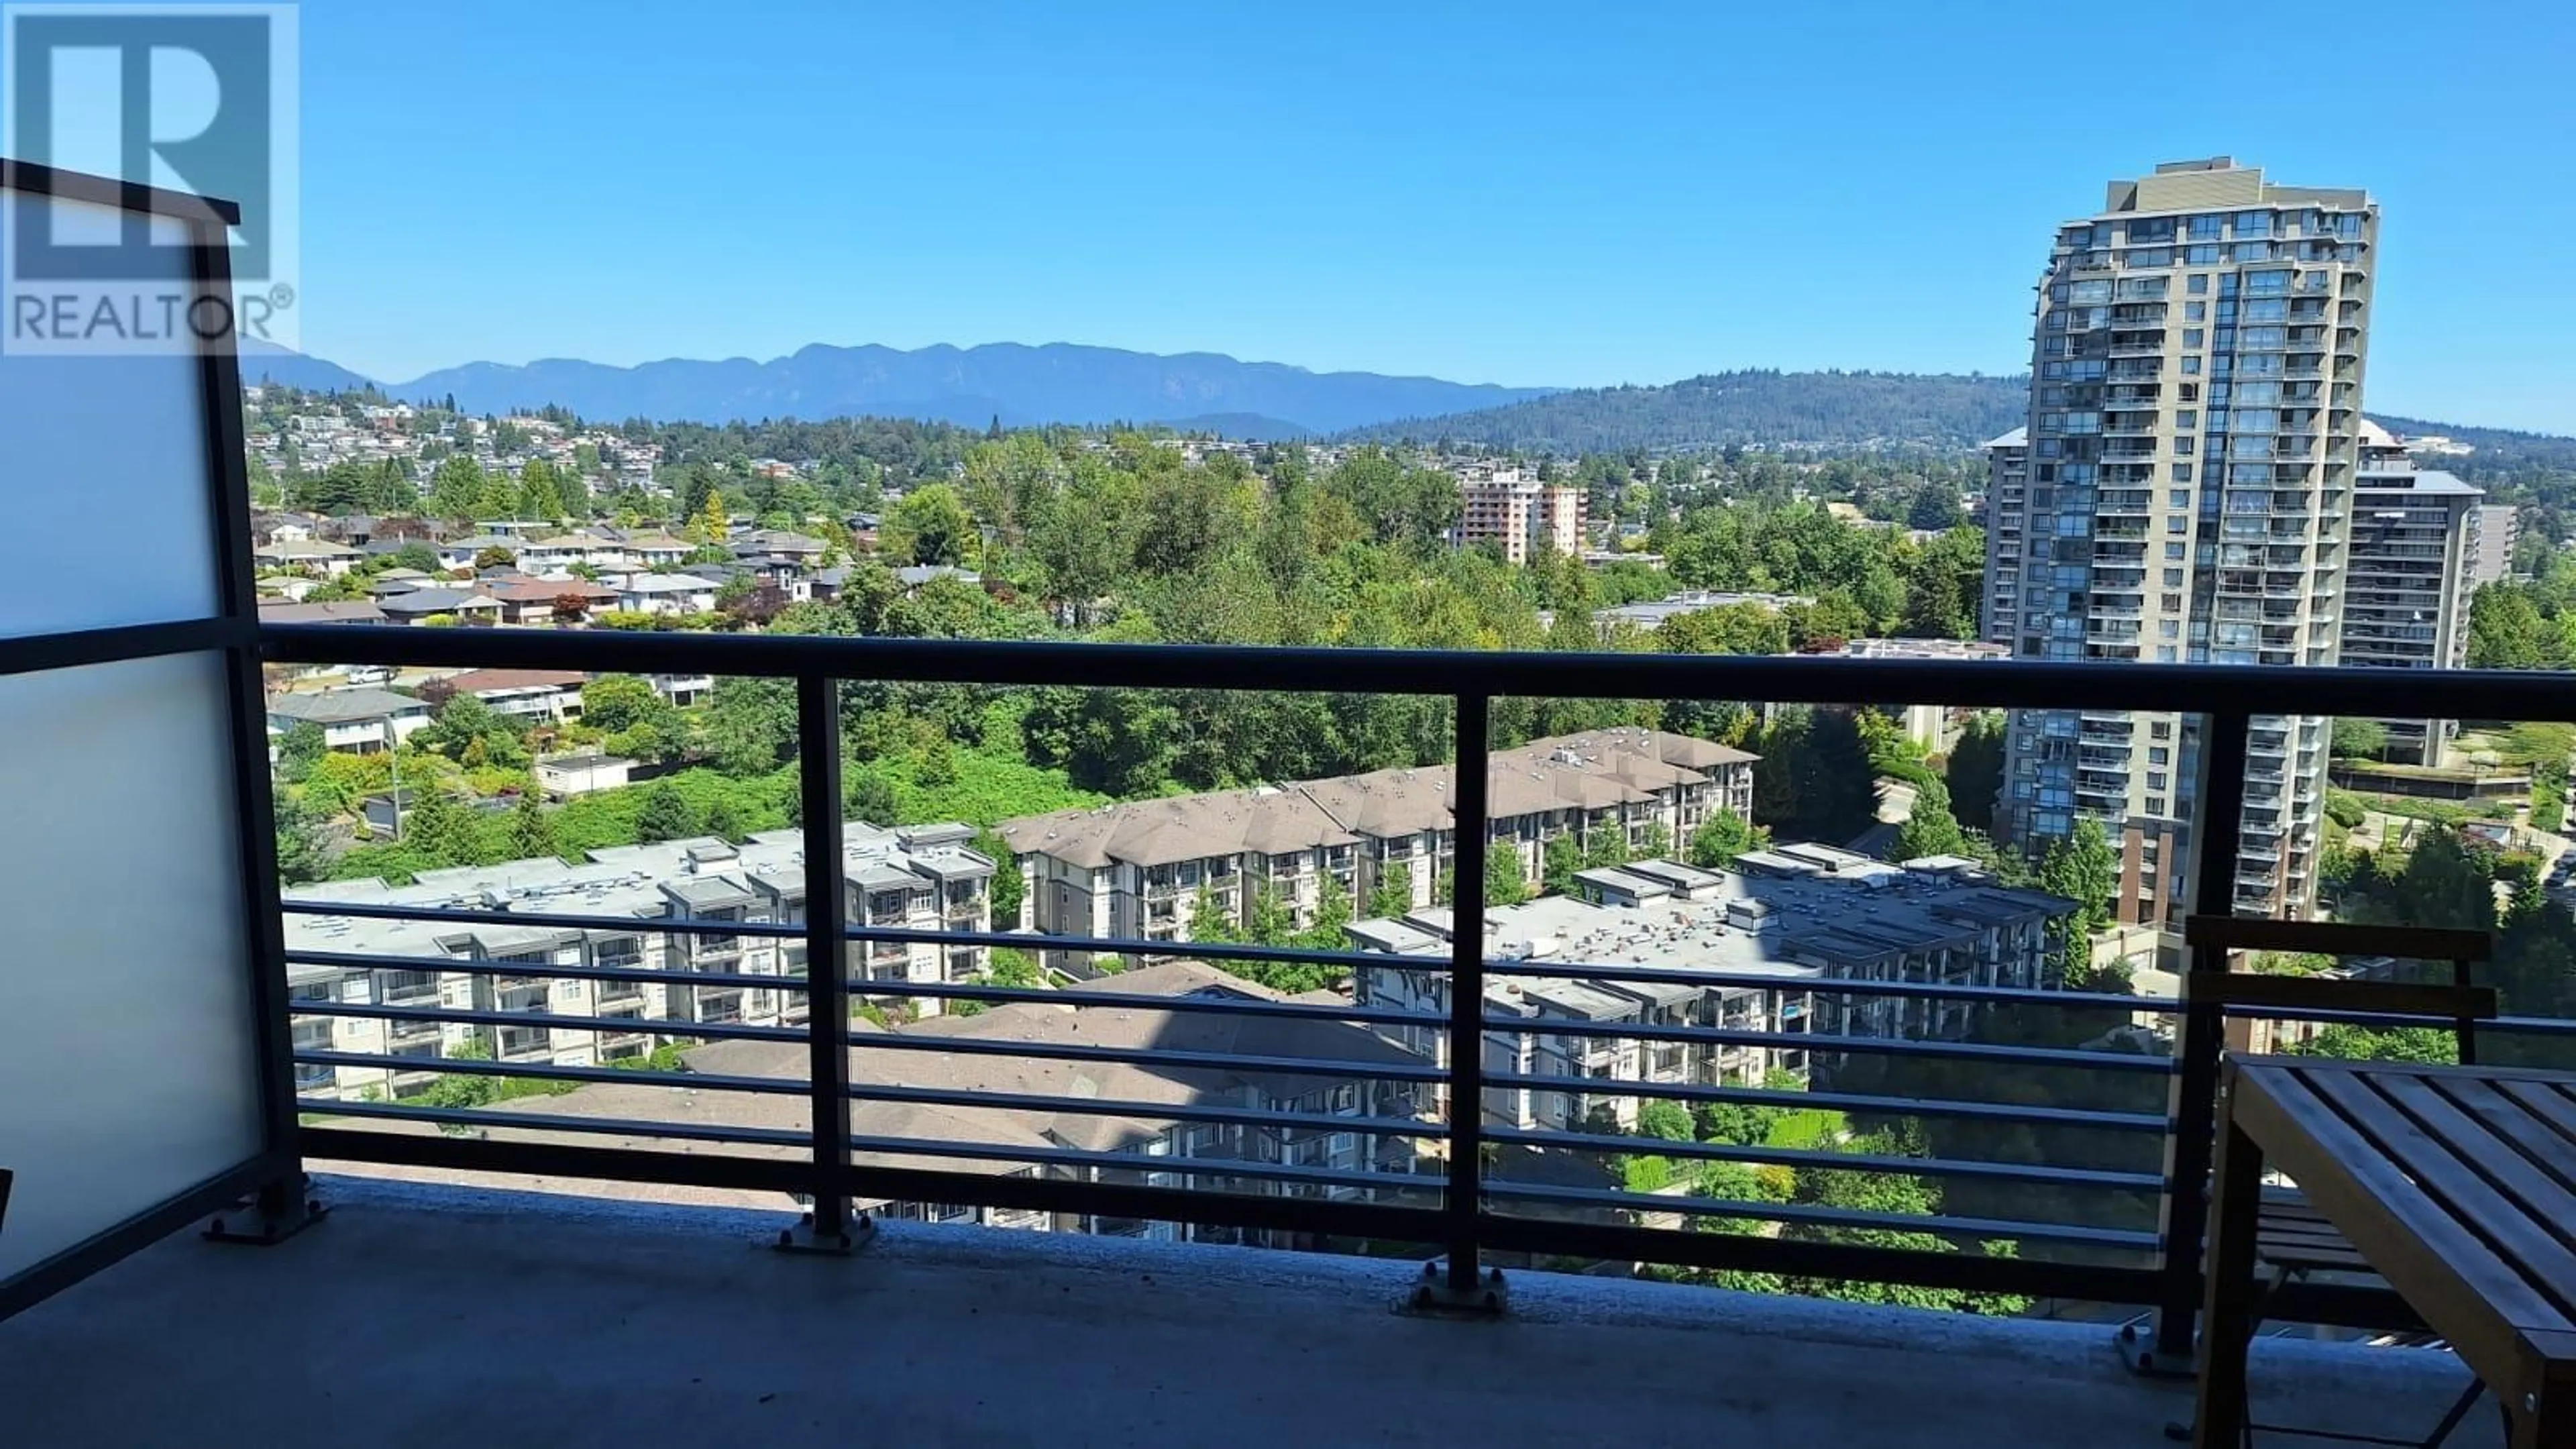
299	751
300	853
666	815
2359	739
532	833
1668	1120
1392	896
541	492
724	821
872	798
1561	859
1722	837
456	488
1975	771
1009	887
1505	885
2080	867
930	526
1930	828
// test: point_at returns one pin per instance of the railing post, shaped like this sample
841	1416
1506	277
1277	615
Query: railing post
1465	1286
829	1228
2193	1112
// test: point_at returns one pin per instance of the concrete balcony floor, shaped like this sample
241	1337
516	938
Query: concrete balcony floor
436	1316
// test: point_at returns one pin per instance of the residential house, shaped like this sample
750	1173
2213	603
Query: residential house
341	611
312	554
525	696
567	775
541	601
465	606
360	721
665	593
460	553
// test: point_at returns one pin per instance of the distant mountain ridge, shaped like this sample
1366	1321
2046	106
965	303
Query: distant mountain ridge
1946	411
1021	385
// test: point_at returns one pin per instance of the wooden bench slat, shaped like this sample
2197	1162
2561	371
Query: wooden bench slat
2518	1258
2511	1121
2535	1212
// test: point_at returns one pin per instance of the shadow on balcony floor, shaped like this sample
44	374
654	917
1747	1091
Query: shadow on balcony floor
422	1316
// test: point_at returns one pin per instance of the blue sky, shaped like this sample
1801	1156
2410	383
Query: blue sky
1541	193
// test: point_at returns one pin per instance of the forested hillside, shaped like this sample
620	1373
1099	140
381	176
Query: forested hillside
1836	409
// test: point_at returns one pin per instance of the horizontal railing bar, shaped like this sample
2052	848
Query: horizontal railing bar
483	966
1130	1000
1045	996
2486	1026
1930	990
1138	946
1821	1042
2034	1277
1994	684
1808	1215
1207	1167
865	1092
549	1072
796	1141
1151	1056
40	653
616	925
613	1025
793	1177
1593	1142
1837	1101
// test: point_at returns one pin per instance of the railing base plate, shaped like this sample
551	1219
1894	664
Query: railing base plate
2138	1351
276	1215
805	1238
1432	1297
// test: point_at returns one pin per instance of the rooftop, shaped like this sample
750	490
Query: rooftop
637	880
1780	912
561	1320
340	706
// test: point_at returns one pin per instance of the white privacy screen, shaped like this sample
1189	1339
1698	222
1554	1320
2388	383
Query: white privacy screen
131	1074
102	475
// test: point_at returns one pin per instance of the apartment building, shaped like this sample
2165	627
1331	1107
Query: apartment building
1133	1146
1521	513
1795	913
2193	452
2499	529
1137	870
918	878
2007	509
2416	536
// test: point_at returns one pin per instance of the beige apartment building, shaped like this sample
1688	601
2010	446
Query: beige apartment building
1135	871
1521	513
2193	451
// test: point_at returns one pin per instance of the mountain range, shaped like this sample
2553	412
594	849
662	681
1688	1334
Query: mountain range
1020	385
1266	401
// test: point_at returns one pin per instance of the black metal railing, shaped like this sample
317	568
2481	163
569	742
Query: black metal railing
1440	1178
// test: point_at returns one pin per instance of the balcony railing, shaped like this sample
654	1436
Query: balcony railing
1427	1162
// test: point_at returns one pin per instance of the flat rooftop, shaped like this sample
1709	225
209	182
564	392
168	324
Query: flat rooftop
439	1315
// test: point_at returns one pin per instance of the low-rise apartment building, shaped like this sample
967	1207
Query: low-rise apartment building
1133	1146
918	878
1749	937
1137	870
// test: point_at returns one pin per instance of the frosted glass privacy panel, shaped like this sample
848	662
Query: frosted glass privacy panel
102	474
131	1072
